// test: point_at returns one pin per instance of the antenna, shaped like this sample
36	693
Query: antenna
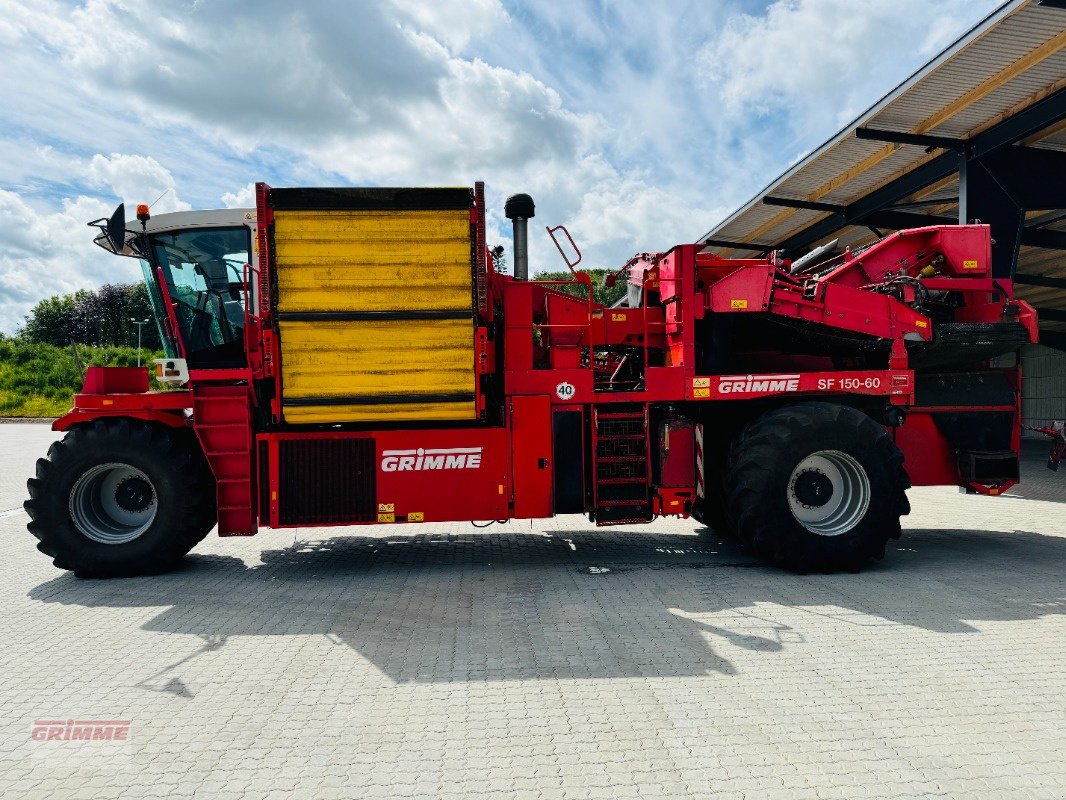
160	197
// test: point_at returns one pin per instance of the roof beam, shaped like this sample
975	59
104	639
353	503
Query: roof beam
1040	280
1030	120
919	139
762	248
933	170
1056	339
1051	314
788	202
1033	118
1038	237
900	220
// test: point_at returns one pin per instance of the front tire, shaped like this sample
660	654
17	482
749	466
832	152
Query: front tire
816	487
121	497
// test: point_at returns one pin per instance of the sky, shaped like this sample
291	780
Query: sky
637	125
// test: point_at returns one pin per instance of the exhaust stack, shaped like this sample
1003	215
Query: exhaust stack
519	209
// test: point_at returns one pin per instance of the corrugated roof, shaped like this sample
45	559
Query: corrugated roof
1008	62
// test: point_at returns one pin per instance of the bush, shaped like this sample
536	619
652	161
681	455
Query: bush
39	379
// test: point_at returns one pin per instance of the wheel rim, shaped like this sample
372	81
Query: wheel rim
113	503
828	492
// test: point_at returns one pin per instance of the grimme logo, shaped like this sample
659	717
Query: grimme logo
741	384
67	730
424	459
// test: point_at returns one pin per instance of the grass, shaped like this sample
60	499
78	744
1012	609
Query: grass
40	380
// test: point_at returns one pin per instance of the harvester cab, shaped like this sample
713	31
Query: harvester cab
195	264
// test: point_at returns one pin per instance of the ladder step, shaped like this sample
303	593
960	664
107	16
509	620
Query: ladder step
620	459
625	437
620	415
615	503
605	523
234	480
619	481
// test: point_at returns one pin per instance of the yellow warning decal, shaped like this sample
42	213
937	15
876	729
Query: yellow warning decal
738	303
701	392
701	383
921	323
416	516
386	517
386	508
970	263
618	317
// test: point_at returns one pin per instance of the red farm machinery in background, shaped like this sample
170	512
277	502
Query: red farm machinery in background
350	356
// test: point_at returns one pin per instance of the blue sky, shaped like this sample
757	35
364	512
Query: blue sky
636	124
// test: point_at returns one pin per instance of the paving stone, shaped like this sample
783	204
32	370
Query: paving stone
443	661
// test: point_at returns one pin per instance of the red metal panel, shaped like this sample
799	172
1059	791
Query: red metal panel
677	459
79	415
928	456
115	380
444	475
531	446
898	385
745	290
452	475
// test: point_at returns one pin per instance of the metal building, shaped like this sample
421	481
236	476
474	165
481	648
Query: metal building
978	133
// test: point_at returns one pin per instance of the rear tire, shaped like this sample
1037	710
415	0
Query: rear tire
816	487
121	497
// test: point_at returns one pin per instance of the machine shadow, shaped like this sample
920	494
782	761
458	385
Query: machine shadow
576	604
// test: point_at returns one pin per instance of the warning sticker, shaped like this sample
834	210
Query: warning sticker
416	516
384	508
386	517
700	383
738	303
970	263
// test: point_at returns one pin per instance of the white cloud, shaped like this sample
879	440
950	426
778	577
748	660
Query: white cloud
815	64
140	179
48	253
455	23
242	198
600	111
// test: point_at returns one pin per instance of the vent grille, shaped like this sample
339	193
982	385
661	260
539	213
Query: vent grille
326	481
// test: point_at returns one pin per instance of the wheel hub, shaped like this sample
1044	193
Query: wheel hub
813	489
829	492
134	494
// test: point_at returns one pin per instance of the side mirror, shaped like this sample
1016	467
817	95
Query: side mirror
116	229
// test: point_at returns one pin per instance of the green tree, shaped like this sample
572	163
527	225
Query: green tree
99	318
52	320
601	293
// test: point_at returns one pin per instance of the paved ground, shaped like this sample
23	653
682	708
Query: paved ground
542	661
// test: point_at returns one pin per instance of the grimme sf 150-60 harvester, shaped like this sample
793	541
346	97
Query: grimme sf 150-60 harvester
349	356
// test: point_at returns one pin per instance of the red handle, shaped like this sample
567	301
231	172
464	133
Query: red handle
569	263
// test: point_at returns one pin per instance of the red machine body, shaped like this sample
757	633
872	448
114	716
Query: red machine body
613	411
